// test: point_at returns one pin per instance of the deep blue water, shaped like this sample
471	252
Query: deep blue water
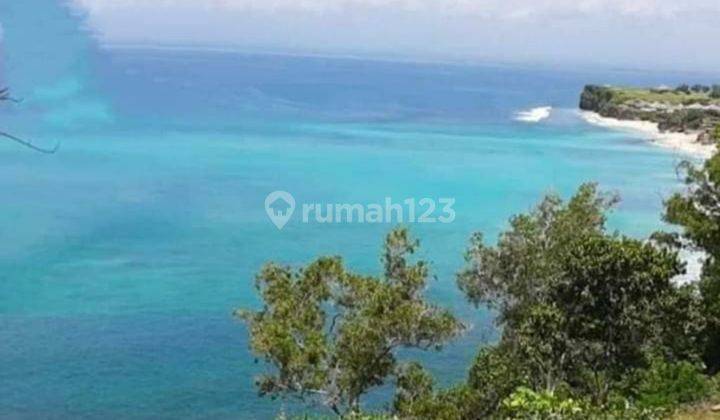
123	255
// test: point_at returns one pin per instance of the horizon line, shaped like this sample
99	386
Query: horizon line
385	58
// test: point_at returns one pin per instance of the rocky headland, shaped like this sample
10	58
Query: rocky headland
689	110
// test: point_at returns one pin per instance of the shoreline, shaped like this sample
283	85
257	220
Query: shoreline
680	142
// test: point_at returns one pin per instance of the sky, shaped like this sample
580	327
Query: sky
643	34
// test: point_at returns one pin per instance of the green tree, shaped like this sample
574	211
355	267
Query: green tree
667	385
613	294
715	92
332	335
715	134
520	271
697	212
578	306
495	374
684	88
416	398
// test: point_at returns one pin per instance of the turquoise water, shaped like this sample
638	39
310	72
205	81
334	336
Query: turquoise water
123	255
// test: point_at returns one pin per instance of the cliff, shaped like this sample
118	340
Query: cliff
685	109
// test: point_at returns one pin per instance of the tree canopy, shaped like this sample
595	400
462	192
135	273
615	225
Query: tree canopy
579	306
697	212
593	323
332	335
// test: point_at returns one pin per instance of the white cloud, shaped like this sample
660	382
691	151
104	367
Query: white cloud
622	32
499	9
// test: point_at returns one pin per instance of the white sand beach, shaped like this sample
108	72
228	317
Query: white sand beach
680	142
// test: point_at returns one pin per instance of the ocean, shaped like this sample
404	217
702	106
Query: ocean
123	255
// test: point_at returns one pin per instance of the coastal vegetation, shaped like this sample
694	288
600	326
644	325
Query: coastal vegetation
594	324
333	334
686	109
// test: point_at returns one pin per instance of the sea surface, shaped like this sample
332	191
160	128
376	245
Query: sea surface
123	255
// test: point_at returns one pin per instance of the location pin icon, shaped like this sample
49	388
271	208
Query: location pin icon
279	206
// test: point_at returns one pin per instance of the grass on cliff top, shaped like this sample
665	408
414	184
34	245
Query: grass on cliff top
702	411
622	95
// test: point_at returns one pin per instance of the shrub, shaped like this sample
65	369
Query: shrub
715	92
683	89
619	407
495	374
667	385
525	403
416	398
686	119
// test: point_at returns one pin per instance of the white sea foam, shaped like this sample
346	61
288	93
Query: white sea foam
534	115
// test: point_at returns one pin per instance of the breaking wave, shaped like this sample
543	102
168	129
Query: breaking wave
534	115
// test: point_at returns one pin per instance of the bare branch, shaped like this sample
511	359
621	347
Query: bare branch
30	145
5	96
